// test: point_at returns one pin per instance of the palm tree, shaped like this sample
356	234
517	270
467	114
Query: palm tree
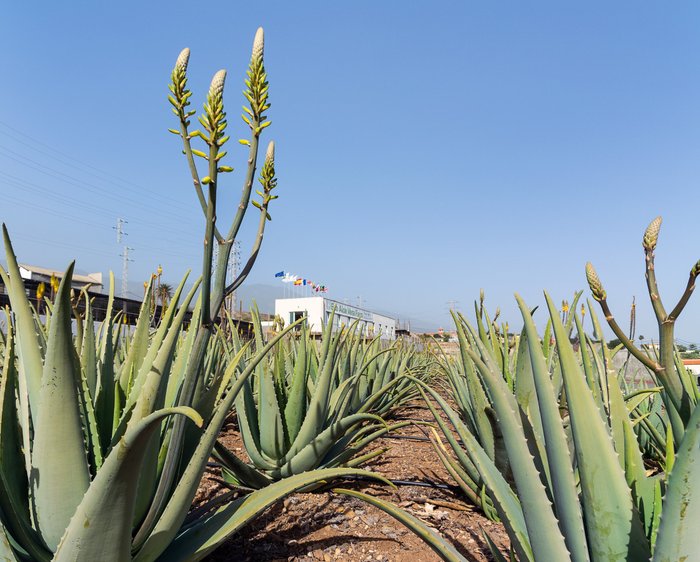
164	292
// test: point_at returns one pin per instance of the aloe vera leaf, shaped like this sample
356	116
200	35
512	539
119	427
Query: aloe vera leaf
440	545
30	359
634	399
6	551
244	472
269	415
564	491
677	537
101	527
104	395
88	352
201	538
248	423
139	343
477	395
613	527
505	501
60	474
184	352
167	330
546	538
311	455
14	502
318	406
153	537
151	396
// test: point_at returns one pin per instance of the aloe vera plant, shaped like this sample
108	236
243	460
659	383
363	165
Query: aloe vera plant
94	463
680	394
578	487
312	406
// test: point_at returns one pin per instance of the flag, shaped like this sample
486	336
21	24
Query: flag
279	274
298	282
303	282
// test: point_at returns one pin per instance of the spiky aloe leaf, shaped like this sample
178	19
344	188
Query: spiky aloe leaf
441	546
546	538
14	502
105	395
101	527
312	454
504	499
613	527
234	470
60	474
678	537
30	364
295	410
139	344
200	539
558	456
88	351
270	423
155	538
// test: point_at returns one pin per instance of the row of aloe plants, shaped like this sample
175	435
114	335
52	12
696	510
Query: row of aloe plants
97	460
317	404
549	439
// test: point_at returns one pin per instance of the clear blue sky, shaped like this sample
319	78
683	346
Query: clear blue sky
424	150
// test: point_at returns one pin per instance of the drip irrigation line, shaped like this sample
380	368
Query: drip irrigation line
418	483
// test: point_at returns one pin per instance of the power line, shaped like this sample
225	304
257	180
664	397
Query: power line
71	161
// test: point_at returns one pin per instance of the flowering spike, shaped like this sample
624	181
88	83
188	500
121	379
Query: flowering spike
182	60
651	235
594	283
217	84
258	44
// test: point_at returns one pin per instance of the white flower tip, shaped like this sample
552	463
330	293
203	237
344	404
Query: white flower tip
258	43
217	83
182	59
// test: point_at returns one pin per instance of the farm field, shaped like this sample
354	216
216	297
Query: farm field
165	425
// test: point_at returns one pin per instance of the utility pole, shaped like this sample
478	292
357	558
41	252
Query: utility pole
125	270
121	232
234	265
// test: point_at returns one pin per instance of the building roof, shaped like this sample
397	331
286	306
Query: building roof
94	278
691	361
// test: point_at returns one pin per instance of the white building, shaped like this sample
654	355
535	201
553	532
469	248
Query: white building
318	310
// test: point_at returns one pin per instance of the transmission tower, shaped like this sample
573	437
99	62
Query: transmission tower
120	229
125	270
234	266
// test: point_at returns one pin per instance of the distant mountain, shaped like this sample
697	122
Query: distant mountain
263	295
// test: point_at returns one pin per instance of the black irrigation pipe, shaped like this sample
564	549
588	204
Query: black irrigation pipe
414	438
418	483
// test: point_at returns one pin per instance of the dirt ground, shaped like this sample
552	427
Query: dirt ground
327	526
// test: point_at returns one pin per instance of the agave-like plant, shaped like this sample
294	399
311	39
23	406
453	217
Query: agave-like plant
301	410
578	488
96	462
681	393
